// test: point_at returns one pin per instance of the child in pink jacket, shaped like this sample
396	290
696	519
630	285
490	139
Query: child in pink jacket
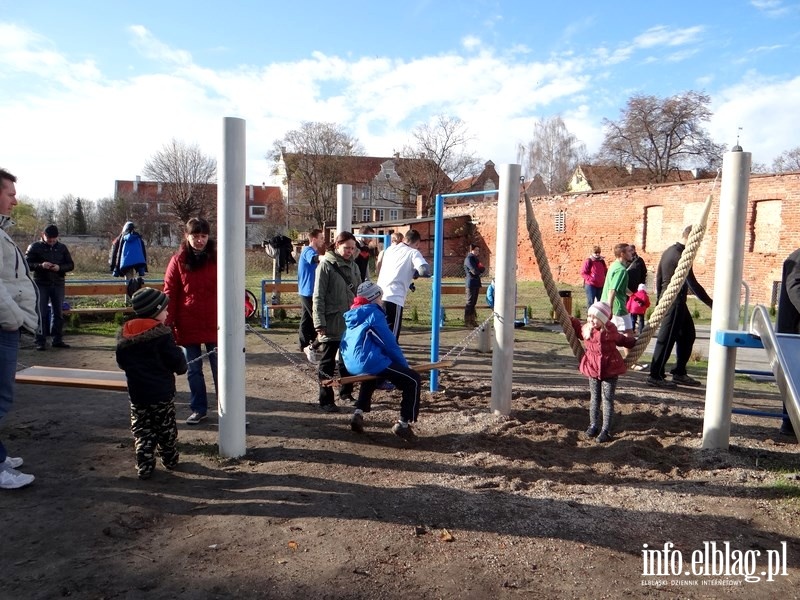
638	303
602	364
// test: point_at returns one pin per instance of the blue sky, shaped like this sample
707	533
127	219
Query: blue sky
91	89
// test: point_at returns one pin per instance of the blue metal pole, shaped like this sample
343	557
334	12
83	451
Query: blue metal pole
436	287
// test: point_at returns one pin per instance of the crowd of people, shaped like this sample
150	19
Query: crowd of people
351	322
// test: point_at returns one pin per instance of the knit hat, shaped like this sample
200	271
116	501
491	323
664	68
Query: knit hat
128	227
642	287
601	310
51	231
369	290
149	302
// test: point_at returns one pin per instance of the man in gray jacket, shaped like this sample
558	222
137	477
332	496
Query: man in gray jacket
18	312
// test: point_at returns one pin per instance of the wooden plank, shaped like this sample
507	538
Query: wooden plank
98	310
442	364
102	289
271	288
284	306
78	378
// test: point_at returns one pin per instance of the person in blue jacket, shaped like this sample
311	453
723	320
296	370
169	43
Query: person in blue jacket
369	347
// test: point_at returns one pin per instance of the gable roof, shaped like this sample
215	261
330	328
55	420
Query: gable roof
477	183
604	177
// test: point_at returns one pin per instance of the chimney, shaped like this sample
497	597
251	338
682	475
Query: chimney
136	184
420	207
252	192
160	188
629	168
397	155
695	173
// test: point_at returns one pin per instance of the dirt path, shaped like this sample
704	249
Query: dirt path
479	507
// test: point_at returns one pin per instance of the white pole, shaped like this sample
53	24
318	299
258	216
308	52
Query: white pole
505	285
230	289
727	292
344	208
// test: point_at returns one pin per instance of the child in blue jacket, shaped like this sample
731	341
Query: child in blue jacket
369	347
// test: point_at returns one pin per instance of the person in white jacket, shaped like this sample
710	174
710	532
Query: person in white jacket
18	312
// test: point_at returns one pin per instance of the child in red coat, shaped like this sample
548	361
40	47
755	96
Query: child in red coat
638	303
602	364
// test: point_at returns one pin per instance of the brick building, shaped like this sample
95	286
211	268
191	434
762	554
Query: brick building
652	217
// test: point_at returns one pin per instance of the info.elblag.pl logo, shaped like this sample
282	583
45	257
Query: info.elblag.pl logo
712	560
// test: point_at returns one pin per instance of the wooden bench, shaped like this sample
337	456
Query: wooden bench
77	289
78	378
450	289
270	289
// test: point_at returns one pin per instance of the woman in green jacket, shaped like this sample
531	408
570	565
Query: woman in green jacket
334	289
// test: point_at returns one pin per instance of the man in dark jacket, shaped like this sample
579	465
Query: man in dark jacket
473	269
50	261
677	328
789	312
637	271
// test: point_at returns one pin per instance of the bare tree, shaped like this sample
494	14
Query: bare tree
316	159
441	150
662	135
789	160
553	153
185	173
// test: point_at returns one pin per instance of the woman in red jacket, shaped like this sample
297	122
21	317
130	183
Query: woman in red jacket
602	364
191	284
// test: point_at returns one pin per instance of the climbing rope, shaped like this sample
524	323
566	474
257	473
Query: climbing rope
564	319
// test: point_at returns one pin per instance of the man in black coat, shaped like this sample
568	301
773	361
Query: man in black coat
637	271
677	327
50	261
789	312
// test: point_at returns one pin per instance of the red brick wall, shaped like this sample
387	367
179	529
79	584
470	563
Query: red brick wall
608	217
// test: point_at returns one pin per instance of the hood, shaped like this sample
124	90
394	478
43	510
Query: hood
359	314
6	221
331	257
140	330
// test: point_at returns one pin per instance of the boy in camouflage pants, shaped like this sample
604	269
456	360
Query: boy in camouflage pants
147	352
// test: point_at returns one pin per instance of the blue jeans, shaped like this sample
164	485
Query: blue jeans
53	294
592	294
9	346
198	400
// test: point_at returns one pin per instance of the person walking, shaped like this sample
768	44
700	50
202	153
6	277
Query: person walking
128	257
50	261
677	327
402	263
594	272
396	238
637	271
369	348
602	363
788	320
191	285
615	289
18	313
147	352
306	272
335	287
473	268
638	303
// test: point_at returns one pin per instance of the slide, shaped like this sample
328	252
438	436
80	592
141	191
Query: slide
783	351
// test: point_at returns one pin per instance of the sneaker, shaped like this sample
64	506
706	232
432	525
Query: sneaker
11	463
347	398
195	418
661	383
591	432
386	385
404	432
11	479
686	380
603	437
357	423
60	345
329	408
40	347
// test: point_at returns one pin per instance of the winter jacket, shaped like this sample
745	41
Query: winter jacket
368	345
638	302
637	273
666	269
58	254
192	308
594	270
147	352
19	297
789	303
474	269
333	294
128	252
601	359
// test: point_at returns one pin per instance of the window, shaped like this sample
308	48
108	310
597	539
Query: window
365	214
379	214
561	221
763	237
365	192
164	231
394	214
164	209
138	209
258	212
355	214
